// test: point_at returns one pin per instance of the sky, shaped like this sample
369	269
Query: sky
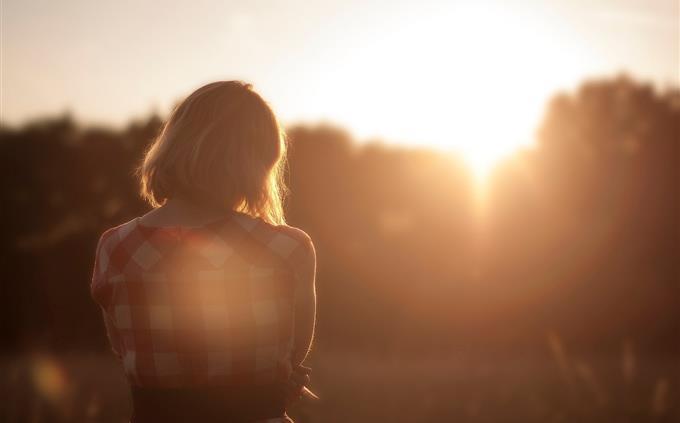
424	73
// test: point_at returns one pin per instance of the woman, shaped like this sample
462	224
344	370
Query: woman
209	299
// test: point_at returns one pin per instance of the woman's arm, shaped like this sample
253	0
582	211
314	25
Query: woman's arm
114	337
305	304
101	292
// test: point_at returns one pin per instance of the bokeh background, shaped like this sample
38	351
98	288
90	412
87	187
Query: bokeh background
492	189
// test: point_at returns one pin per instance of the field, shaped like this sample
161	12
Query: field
360	388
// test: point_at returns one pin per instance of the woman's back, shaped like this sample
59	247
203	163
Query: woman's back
203	306
200	307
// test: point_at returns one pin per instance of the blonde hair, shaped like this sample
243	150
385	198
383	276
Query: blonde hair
222	146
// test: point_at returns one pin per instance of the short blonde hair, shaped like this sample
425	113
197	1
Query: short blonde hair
222	146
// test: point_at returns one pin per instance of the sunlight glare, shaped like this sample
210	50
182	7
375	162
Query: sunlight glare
473	80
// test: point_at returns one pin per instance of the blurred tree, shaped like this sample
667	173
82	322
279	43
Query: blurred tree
580	235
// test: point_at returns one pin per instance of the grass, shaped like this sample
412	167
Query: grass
359	388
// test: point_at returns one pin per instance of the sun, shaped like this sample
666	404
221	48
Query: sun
464	79
490	86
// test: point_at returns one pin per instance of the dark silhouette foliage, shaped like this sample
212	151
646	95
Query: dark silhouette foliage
580	236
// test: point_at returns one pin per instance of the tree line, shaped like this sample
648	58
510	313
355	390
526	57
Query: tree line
577	236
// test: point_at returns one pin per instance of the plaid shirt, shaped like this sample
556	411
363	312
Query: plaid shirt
205	306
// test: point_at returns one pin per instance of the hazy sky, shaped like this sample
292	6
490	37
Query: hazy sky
402	70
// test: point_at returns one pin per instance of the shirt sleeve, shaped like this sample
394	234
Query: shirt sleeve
101	292
113	335
99	288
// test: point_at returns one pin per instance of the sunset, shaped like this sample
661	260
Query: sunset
427	73
340	211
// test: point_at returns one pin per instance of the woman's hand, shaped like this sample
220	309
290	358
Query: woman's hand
296	385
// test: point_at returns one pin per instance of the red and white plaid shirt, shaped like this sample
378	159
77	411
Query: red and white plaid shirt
205	306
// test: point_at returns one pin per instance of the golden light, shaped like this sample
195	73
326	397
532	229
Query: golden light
49	378
469	79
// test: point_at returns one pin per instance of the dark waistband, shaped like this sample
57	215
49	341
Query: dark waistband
232	404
